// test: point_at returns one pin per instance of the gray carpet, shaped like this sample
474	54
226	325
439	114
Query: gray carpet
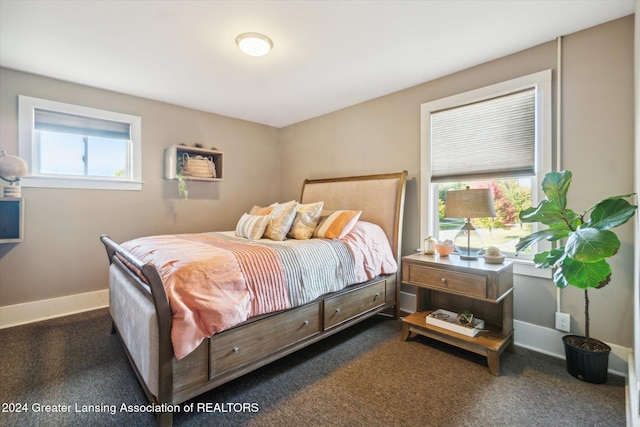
365	376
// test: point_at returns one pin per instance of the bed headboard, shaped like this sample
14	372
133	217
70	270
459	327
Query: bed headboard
380	197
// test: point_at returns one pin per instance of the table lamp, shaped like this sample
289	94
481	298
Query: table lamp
467	204
12	168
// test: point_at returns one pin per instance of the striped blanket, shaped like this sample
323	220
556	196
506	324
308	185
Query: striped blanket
215	280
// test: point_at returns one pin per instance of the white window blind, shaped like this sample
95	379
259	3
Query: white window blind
485	139
54	121
73	146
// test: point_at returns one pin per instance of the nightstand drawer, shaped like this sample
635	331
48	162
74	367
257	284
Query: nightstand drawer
469	284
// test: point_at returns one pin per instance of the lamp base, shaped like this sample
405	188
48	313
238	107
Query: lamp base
468	242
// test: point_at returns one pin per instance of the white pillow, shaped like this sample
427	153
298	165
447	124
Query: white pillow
252	226
280	220
305	221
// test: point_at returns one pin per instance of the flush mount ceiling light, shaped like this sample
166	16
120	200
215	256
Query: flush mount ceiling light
254	44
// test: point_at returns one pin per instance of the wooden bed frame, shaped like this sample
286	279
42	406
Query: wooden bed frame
142	318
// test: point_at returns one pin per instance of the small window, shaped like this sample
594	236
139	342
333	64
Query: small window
69	146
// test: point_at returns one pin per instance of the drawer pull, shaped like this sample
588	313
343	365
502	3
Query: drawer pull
337	310
443	280
236	349
305	323
376	296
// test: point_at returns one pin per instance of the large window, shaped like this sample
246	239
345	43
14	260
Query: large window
69	146
497	137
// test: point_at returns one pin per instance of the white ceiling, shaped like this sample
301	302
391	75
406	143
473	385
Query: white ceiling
327	55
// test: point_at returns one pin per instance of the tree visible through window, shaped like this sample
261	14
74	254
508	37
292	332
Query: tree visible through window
510	197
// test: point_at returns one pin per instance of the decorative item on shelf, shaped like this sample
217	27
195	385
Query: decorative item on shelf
12	169
493	255
198	166
430	245
464	323
581	262
467	204
444	247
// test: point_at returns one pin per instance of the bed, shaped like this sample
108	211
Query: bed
143	304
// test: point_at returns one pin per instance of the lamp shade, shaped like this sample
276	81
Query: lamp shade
12	168
469	203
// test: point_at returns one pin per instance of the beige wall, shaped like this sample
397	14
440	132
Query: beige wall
62	255
263	164
383	135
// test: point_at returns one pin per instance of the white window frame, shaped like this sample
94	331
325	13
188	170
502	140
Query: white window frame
541	81
28	147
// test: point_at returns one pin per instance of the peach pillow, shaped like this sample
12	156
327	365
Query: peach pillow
258	210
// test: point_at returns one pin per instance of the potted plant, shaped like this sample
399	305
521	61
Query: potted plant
580	262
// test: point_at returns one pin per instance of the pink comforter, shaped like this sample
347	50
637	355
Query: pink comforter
215	281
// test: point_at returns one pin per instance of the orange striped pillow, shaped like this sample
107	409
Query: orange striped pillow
337	224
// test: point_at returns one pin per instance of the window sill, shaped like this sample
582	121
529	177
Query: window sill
527	268
85	183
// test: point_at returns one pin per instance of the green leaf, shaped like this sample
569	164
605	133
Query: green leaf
548	258
552	233
559	279
546	212
583	275
611	212
590	245
555	186
540	259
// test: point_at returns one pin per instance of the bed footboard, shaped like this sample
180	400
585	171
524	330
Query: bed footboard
142	318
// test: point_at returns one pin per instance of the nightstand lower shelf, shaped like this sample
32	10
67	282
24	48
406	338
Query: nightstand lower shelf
490	344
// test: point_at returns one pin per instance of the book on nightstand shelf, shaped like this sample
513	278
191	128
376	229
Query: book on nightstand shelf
449	320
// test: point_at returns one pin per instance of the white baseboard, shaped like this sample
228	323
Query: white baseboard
549	341
20	314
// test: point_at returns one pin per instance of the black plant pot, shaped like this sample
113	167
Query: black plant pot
587	364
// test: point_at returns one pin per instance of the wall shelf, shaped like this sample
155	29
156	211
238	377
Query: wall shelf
11	220
174	157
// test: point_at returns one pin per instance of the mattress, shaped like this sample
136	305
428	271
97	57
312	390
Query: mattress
216	280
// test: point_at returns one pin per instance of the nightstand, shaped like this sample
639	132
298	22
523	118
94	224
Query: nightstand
486	290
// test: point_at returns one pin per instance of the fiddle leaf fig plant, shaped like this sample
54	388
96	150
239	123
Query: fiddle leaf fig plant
588	241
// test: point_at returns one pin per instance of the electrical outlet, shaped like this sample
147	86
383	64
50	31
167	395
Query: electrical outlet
563	321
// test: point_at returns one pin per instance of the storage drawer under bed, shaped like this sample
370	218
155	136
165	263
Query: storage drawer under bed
343	307
245	344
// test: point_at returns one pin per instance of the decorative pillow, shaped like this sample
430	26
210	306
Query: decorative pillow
337	224
252	226
258	210
305	221
280	220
